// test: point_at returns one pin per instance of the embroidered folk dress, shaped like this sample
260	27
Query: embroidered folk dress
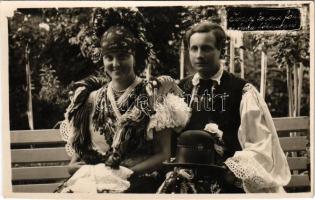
252	152
126	121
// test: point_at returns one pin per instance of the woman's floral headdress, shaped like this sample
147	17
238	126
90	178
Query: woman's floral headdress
104	18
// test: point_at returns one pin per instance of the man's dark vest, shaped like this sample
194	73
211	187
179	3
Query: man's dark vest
223	109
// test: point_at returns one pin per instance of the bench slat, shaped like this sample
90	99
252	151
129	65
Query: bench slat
299	181
35	137
39	155
38	173
293	143
291	124
38	188
297	163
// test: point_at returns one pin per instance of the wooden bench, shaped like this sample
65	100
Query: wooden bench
43	148
39	160
299	144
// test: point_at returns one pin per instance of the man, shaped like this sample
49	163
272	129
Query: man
234	111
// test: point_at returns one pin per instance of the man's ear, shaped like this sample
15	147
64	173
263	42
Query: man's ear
222	53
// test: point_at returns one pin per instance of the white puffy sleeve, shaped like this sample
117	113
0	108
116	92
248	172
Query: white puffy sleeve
261	164
171	110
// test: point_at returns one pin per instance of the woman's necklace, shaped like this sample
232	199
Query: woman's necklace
122	98
118	93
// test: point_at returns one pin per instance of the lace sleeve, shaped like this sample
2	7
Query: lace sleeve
171	112
261	164
66	132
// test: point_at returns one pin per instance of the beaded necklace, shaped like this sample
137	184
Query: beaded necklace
123	97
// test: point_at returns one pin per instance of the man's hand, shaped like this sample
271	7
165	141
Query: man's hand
230	178
167	84
162	85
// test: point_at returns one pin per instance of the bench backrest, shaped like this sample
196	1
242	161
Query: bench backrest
39	160
297	143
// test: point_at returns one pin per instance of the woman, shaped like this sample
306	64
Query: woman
118	132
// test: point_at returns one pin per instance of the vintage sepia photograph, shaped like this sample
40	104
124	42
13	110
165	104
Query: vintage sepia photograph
205	98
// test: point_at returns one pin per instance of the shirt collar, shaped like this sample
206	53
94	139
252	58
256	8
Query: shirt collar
216	77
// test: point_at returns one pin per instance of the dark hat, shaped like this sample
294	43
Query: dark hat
195	148
118	39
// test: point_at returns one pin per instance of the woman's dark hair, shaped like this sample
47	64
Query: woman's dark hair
140	58
208	27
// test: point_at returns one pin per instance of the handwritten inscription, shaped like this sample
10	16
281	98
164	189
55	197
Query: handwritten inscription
252	19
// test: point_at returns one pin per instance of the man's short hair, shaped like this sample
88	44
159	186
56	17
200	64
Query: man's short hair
208	27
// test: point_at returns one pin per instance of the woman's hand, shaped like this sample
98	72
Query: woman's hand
113	160
162	149
75	164
73	167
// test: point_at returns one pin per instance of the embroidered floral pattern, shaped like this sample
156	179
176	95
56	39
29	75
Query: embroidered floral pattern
132	116
103	118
